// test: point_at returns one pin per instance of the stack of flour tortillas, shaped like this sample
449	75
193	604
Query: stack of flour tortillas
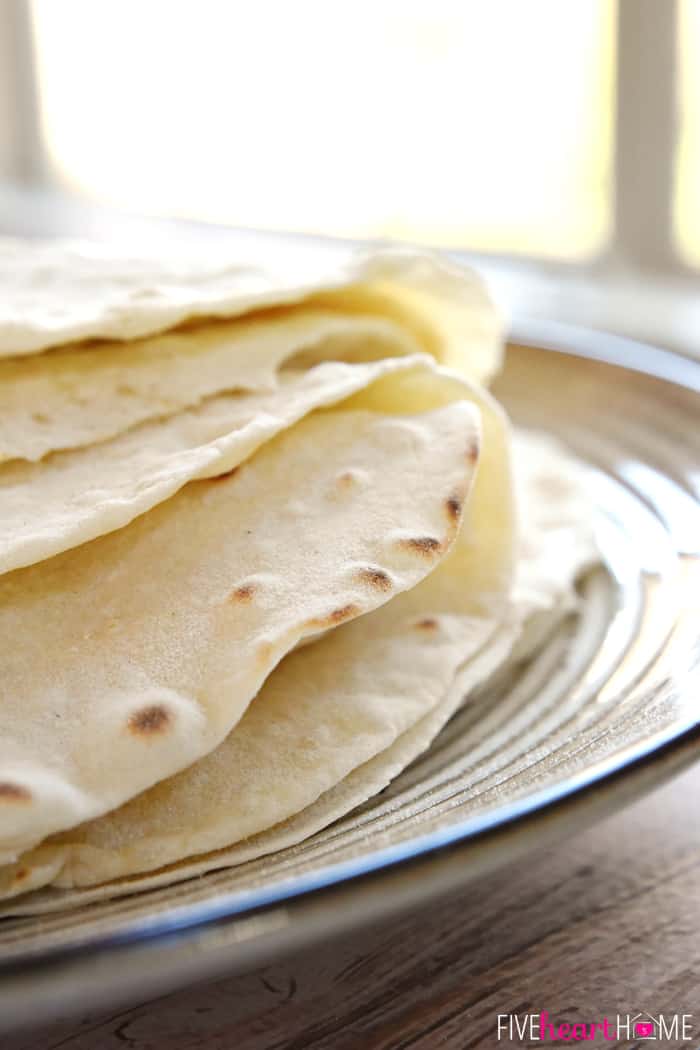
262	531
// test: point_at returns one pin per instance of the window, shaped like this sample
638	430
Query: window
566	131
454	122
686	212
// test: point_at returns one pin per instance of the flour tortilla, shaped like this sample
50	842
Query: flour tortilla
327	709
86	393
73	497
311	720
97	862
57	292
557	539
131	657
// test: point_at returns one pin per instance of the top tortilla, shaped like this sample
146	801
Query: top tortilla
58	292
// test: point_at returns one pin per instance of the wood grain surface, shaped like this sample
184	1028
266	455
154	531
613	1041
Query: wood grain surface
608	922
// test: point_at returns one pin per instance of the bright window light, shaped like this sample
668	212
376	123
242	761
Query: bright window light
686	211
452	122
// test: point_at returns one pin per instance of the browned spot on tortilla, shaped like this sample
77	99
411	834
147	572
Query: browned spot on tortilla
265	654
473	449
347	478
344	612
21	874
428	624
227	476
10	792
152	719
244	593
421	544
376	578
454	507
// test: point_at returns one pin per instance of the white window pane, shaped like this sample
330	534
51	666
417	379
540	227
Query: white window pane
686	211
480	123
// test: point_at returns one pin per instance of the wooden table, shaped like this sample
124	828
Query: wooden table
606	923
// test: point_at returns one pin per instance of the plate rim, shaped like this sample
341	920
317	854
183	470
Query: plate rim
206	938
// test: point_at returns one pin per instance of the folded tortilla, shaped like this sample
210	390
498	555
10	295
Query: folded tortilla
332	706
334	724
255	548
82	394
73	497
132	656
58	292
